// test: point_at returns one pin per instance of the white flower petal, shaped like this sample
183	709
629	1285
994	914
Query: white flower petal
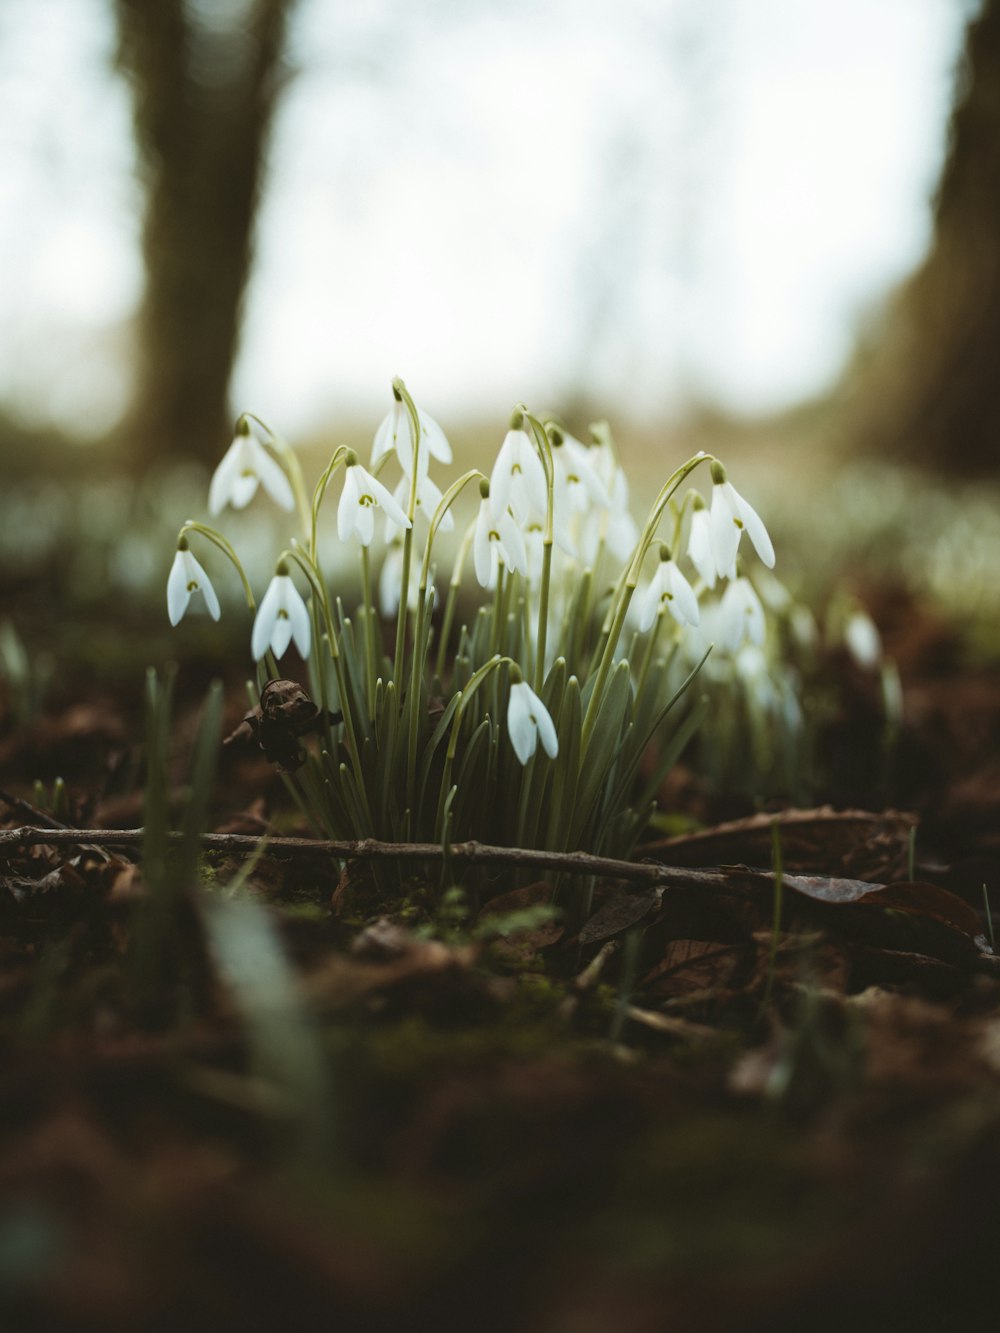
755	530
724	529
515	555
481	544
647	605
685	603
527	720
263	624
228	470
699	548
271	474
437	441
178	595
520	727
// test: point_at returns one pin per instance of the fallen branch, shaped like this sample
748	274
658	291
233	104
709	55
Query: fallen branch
371	849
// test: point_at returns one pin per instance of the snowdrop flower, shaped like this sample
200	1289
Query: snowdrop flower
528	721
281	617
699	547
429	496
496	542
741	616
668	587
356	511
390	583
578	486
518	478
862	640
245	466
187	577
396	432
615	526
729	516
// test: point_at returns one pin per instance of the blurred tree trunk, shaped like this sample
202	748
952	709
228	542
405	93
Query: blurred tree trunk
205	82
931	394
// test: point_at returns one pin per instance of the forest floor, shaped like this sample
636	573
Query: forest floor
673	1114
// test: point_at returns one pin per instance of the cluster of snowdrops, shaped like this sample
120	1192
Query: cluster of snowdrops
541	699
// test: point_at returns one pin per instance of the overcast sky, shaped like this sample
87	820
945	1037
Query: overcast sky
657	197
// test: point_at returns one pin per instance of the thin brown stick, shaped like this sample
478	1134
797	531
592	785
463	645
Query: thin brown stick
370	849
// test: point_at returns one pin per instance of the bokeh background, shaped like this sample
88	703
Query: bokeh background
768	229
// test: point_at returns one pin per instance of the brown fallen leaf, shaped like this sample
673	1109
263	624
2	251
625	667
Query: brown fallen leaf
518	946
694	965
819	839
619	914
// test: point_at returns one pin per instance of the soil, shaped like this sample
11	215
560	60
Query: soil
315	1102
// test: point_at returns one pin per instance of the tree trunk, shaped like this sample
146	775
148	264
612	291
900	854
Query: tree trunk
931	393
204	98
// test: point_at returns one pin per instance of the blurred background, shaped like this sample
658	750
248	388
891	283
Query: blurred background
771	230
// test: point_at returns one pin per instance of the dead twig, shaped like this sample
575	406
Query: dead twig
371	849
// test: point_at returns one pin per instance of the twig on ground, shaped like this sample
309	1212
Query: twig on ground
371	849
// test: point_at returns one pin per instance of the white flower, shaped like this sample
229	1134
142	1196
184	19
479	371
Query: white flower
518	478
528	721
862	640
699	546
496	541
613	527
186	577
245	466
356	511
281	617
428	498
667	586
396	432
390	582
741	616
577	483
730	515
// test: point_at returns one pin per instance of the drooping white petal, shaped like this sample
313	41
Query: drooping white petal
647	605
513	550
385	435
437	441
228	469
699	548
272	476
725	527
862	640
756	531
178	594
684	606
246	465
187	577
741	616
481	546
281	616
370	486
518	478
263	625
528	720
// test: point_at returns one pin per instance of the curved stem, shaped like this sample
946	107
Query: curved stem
217	539
293	468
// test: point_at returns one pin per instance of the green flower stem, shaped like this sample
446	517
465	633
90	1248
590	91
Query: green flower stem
217	539
544	447
497	619
421	633
452	598
397	670
321	599
369	613
465	697
339	454
623	594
